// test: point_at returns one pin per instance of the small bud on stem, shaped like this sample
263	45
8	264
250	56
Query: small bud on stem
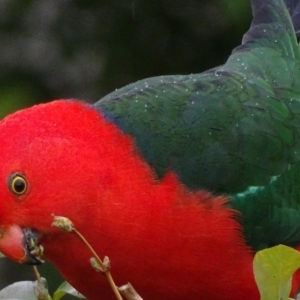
104	267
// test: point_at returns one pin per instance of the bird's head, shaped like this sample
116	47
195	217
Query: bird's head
56	158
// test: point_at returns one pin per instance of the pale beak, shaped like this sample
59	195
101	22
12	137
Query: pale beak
21	244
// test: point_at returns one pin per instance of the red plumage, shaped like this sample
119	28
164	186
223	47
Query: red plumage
168	242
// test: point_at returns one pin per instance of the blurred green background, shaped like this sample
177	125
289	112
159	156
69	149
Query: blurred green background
51	49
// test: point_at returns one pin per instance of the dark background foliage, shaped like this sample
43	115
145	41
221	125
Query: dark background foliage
85	49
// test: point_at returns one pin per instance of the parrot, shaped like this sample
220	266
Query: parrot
178	179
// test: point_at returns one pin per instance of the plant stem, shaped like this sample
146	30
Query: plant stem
106	272
37	274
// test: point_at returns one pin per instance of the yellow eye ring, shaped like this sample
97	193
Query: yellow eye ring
18	184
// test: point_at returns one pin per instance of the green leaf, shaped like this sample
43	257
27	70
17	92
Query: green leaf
273	270
64	289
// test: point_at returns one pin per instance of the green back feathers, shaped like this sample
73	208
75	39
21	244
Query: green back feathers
233	129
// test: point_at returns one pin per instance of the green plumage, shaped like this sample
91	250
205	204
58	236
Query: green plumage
234	129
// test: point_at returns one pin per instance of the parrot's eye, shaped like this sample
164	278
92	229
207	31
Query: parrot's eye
17	184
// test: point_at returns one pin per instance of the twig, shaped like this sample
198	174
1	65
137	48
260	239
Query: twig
66	225
37	274
129	292
40	289
105	269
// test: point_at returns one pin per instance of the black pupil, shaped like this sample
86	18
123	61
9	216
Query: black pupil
19	185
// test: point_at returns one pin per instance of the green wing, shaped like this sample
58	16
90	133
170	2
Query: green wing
234	129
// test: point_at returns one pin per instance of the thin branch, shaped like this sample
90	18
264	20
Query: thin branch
129	292
37	274
105	270
40	290
66	225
